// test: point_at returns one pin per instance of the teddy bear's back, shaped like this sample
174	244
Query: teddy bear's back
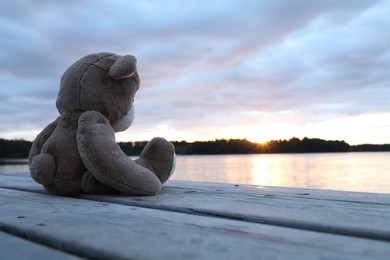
69	166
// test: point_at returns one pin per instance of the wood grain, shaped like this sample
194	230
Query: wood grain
100	230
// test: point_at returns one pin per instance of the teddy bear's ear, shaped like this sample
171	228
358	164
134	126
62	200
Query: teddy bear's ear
124	67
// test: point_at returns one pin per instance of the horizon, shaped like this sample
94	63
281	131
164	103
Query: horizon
251	70
224	139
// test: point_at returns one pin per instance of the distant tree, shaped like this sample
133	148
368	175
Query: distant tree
306	145
14	148
370	148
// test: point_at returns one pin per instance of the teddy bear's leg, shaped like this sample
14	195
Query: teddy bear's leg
90	185
43	168
105	160
41	139
42	165
159	157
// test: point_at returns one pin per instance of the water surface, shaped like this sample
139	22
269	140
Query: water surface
366	172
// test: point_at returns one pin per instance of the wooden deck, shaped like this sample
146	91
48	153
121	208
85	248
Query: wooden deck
192	220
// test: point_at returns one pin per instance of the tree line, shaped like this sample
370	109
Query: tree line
21	148
14	148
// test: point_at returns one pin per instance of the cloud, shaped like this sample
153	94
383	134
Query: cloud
204	66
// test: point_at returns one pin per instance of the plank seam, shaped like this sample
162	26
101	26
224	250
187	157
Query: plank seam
57	244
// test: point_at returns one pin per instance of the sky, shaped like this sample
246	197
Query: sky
259	70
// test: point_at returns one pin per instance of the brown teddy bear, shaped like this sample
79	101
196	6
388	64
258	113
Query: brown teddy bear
77	152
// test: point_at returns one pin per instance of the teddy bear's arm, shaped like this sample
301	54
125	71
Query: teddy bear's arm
41	139
106	161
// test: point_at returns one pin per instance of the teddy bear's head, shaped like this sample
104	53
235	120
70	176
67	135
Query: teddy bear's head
104	82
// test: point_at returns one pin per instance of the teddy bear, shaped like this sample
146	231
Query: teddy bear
77	153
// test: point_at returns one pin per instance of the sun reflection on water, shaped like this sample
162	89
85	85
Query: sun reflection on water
260	173
272	170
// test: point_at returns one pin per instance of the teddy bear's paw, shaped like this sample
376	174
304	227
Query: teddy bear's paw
43	168
159	157
90	185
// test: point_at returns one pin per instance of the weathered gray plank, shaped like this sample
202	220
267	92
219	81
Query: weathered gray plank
357	215
318	194
20	180
15	248
368	220
98	230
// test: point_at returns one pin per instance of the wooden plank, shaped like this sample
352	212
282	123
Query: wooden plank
15	179
347	196
369	220
19	181
356	215
103	230
12	247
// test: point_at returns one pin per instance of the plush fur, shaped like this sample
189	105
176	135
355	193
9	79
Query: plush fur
77	152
